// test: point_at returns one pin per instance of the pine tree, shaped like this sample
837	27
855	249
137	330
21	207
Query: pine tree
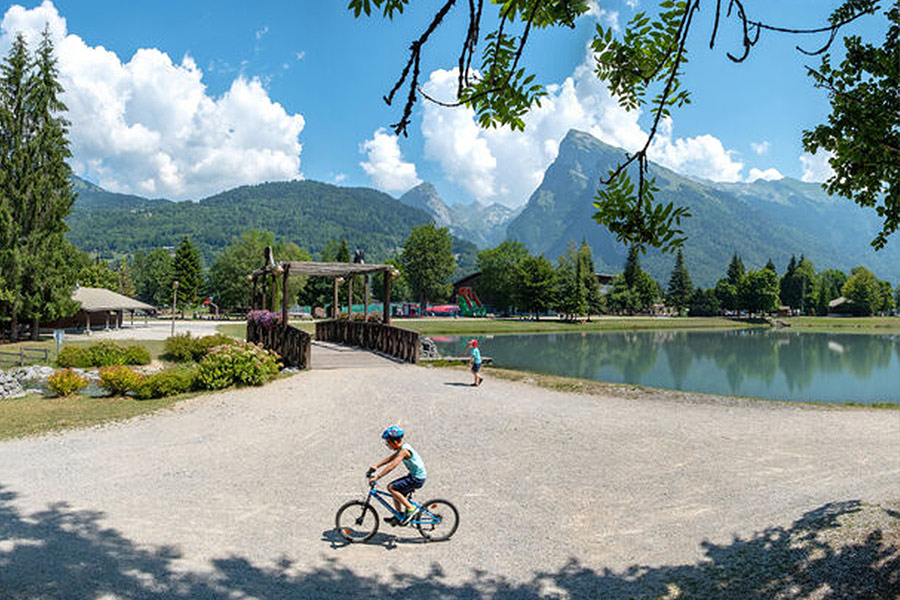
188	273
736	271
13	165
52	277
771	266
680	288
571	296
596	303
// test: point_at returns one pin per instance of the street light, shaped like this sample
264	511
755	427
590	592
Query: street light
174	303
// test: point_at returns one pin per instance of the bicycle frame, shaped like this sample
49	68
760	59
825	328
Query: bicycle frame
422	516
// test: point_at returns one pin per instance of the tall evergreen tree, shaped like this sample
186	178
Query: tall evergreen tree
188	273
680	289
50	277
571	295
736	271
595	301
771	266
14	166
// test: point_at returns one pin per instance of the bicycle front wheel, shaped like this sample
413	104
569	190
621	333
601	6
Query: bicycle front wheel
437	520
356	521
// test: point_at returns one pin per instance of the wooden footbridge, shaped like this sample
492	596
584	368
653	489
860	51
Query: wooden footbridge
270	284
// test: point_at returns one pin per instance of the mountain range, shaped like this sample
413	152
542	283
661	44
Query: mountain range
758	220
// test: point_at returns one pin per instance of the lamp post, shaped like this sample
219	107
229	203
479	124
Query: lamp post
174	303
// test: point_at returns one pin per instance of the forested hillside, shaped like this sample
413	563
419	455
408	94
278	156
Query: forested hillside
308	213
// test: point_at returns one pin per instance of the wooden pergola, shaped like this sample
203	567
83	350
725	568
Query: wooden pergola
263	295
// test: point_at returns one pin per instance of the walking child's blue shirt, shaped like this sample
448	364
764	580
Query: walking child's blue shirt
476	356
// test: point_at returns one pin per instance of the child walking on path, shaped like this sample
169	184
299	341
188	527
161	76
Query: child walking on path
402	487
475	361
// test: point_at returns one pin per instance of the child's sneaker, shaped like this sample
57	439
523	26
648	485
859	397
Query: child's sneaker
407	517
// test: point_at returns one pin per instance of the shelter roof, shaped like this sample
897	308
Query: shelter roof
100	299
326	269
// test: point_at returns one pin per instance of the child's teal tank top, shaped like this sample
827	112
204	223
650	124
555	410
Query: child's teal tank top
414	463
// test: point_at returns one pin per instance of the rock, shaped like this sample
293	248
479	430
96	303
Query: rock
427	348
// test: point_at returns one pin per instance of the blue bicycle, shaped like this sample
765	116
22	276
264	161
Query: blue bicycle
357	521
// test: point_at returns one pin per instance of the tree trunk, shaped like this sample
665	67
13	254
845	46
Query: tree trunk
35	328
14	326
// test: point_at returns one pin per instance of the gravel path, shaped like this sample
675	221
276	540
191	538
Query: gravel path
561	495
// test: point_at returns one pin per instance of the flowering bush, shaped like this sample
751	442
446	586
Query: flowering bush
241	362
118	379
183	347
66	382
264	318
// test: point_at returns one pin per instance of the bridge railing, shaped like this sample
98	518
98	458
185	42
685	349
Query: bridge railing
393	341
290	343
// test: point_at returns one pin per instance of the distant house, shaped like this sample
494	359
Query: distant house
100	309
841	307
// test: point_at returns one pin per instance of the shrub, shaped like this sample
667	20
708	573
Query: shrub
66	382
78	357
106	354
136	355
181	348
117	380
207	343
239	362
264	318
165	383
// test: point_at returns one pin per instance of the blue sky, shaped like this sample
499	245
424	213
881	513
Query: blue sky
184	99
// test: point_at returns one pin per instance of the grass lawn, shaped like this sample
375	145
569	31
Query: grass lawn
33	415
846	324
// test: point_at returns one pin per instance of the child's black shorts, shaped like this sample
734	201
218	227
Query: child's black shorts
407	484
476	367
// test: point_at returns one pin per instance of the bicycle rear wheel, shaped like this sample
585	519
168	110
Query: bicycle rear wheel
437	520
356	521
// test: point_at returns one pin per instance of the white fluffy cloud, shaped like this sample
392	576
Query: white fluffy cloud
385	164
767	175
760	147
148	126
815	167
504	166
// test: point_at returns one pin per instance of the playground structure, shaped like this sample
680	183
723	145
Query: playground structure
469	303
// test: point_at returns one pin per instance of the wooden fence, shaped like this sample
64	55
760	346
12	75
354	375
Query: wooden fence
24	356
290	343
393	341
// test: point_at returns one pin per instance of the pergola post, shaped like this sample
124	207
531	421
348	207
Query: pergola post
264	305
334	302
366	308
284	294
253	293
350	297
274	292
386	315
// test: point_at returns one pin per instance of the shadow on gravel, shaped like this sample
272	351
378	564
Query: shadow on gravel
63	553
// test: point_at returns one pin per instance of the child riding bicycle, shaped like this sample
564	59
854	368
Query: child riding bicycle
402	487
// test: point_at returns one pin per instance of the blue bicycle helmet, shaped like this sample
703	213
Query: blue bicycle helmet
392	432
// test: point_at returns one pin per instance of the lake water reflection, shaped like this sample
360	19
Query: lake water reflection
762	363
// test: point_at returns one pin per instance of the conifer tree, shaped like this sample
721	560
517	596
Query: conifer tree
188	273
680	288
595	302
736	271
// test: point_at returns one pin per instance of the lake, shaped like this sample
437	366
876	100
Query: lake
775	364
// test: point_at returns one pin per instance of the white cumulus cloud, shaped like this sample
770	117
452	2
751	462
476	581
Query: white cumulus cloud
148	126
760	147
385	164
499	165
815	167
766	175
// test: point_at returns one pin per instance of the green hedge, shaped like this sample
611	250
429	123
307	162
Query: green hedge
184	347
102	354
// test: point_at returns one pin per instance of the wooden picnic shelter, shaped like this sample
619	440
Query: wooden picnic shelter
290	342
